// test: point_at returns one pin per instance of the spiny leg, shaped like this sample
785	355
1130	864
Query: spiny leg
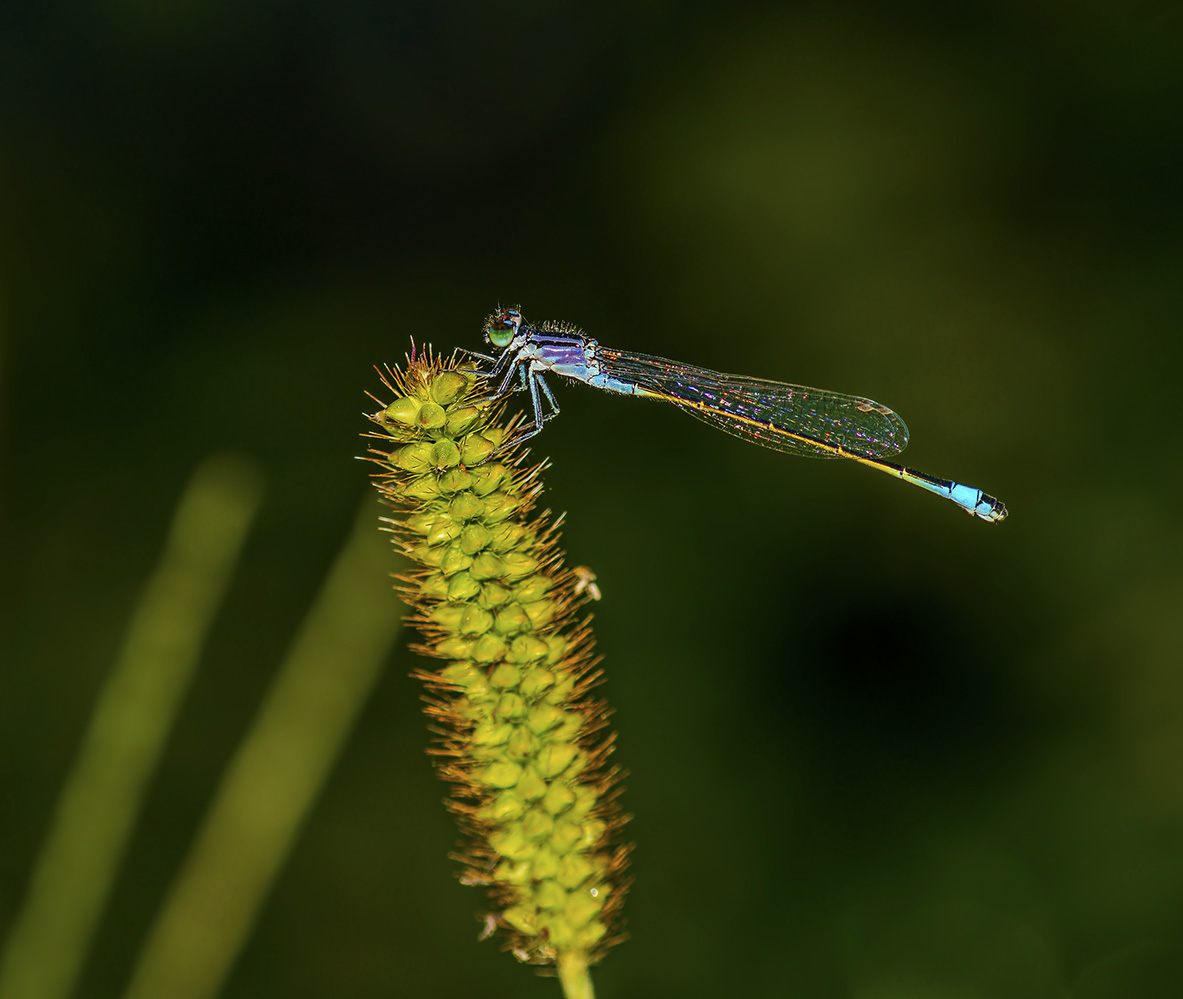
554	406
498	363
483	357
513	368
534	380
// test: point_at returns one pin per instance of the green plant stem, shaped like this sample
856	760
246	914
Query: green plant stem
134	712
575	976
273	781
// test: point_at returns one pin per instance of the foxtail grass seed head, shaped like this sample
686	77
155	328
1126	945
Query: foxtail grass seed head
519	736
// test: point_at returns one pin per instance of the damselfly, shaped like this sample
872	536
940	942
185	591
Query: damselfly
790	418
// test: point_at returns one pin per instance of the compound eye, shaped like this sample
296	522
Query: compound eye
502	328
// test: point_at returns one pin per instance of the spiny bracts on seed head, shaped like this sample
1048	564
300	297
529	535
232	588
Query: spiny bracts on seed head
519	735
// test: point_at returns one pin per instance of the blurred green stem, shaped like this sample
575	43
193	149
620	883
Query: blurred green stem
136	707
274	779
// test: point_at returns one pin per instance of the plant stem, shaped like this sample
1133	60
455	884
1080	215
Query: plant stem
575	976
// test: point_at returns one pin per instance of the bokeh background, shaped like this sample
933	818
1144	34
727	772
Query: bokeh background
877	749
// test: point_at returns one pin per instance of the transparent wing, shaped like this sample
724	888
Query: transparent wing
794	419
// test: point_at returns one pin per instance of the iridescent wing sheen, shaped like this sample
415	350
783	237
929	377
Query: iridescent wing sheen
794	419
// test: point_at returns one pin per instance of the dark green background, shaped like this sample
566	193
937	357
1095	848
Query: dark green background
878	749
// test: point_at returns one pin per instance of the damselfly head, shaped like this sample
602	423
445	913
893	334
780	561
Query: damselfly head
502	327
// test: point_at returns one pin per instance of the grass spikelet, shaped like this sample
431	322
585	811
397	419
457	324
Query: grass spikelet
519	735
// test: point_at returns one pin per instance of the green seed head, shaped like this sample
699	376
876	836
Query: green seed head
523	743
